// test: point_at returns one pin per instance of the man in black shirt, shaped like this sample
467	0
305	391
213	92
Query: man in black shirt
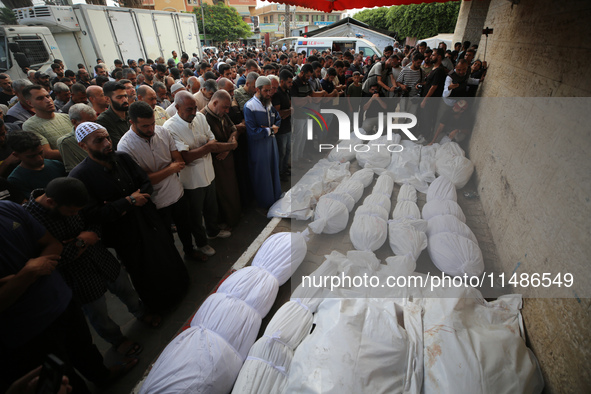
282	102
120	191
7	92
372	108
433	87
456	123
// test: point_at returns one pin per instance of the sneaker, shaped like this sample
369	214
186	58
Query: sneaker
221	234
207	250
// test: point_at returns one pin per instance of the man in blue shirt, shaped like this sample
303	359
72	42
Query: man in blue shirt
37	315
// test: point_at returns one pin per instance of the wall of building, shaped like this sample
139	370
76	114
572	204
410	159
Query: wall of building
471	21
533	168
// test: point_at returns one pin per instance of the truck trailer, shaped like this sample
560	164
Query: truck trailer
84	33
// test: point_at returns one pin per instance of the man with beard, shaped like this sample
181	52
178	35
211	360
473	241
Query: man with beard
78	96
148	95
228	194
282	103
86	264
131	92
46	123
115	119
120	201
262	123
71	153
83	77
456	83
154	150
148	73
34	171
7	92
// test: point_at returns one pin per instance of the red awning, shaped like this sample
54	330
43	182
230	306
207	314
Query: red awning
340	5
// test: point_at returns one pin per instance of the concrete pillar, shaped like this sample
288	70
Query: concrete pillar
471	21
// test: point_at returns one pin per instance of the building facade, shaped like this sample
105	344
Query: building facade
271	19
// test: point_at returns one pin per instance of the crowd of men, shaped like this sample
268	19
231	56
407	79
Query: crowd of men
121	157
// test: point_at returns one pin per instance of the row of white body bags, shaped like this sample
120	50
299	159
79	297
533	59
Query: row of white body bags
267	366
207	357
451	162
369	229
331	214
406	230
451	244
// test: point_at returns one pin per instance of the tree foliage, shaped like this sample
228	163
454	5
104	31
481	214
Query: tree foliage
221	23
414	20
376	17
12	4
7	16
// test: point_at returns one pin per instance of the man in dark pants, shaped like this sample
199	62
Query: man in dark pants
120	201
37	314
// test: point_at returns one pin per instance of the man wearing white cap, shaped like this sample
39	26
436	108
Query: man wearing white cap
120	201
174	89
262	123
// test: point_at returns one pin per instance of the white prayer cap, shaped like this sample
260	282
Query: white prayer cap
262	81
175	87
86	128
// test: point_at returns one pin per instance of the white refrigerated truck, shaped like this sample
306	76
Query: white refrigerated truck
82	33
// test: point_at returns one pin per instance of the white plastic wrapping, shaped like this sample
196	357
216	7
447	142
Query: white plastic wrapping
442	189
384	185
406	210
368	233
281	254
449	149
344	151
312	293
231	318
377	154
443	207
330	217
406	240
449	224
352	188
372	210
345	198
475	346
378	199
268	362
405	164
196	361
365	176
360	346
427	166
455	255
407	193
319	180
458	169
253	285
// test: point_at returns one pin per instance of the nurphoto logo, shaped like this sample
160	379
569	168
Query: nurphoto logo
345	129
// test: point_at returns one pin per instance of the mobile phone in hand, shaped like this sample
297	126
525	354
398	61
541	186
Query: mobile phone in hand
52	372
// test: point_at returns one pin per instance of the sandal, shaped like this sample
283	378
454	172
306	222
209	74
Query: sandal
128	348
151	320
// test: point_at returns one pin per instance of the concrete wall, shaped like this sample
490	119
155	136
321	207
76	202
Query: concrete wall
470	21
533	169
